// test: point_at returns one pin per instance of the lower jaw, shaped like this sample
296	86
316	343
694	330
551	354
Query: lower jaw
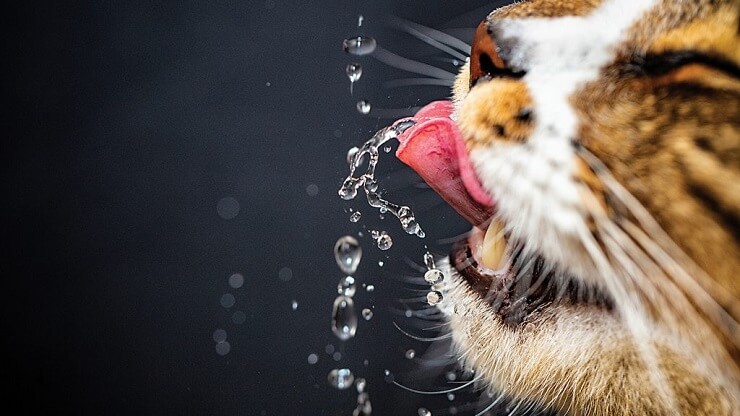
514	292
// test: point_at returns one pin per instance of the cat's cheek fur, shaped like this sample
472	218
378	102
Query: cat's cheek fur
574	359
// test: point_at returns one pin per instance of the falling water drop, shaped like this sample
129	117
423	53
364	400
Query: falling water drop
434	297
360	18
367	314
387	148
354	72
370	288
347	253
344	318
360	45
360	384
351	154
424	412
433	276
364	107
410	354
341	378
384	242
355	216
347	286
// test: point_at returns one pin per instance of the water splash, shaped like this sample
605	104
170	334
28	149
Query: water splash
368	182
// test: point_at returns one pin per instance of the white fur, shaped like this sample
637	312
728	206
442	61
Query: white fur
532	183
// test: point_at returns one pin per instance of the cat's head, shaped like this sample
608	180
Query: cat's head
604	137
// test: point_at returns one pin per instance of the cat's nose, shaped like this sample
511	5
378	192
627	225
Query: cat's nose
485	60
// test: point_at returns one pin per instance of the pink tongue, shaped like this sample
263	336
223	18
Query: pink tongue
434	148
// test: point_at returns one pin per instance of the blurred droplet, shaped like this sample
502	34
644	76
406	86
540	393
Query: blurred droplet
223	348
285	274
219	335
236	280
227	208
227	300
341	378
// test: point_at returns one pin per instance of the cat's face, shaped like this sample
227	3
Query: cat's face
607	136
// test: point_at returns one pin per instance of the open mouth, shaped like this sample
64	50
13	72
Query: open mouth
513	281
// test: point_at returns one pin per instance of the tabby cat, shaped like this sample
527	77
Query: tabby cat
595	148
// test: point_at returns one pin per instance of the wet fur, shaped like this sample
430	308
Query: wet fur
668	142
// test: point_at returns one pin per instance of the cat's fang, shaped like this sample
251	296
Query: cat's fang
493	250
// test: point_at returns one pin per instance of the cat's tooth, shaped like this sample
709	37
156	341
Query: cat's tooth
493	250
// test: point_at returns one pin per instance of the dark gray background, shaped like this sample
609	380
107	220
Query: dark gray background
128	122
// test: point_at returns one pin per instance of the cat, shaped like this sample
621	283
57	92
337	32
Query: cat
595	148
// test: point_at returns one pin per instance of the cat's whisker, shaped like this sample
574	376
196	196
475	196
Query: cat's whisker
428	34
393	113
416	82
423	339
666	254
431	393
391	59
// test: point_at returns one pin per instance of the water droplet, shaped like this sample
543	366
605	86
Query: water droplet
360	45
387	148
364	408
223	348
389	377
367	314
408	313
453	410
227	208
347	253
313	359
219	335
364	107
312	189
344	318
329	349
433	276
434	297
451	376
285	274
354	72
429	261
450	396
380	263
238	317
227	300
341	378
351	154
360	385
347	286
424	412
236	280
384	242
337	356
410	354
370	288
355	216
360	18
